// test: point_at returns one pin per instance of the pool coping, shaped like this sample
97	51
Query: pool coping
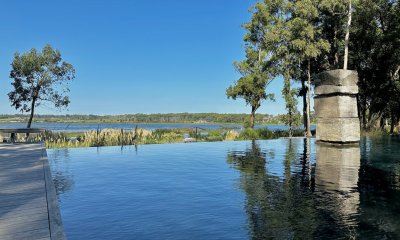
56	226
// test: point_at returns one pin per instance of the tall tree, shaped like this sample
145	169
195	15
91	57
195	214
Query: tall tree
336	20
252	85
346	39
275	19
255	70
307	42
332	18
376	47
292	118
277	25
39	77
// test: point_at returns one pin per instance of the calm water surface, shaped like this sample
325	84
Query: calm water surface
81	127
282	189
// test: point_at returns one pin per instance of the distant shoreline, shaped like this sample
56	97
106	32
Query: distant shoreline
111	122
163	118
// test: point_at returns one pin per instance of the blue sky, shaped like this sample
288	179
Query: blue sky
136	56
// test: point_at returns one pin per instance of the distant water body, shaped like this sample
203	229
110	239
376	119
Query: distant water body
82	127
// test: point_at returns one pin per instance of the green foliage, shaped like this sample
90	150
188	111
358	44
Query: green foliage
306	41
248	133
289	34
251	86
247	123
263	133
376	56
118	137
292	119
255	71
214	136
38	77
374	44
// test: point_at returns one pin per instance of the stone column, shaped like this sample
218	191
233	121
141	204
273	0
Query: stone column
335	106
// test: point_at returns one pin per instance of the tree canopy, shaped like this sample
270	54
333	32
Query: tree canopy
255	71
39	77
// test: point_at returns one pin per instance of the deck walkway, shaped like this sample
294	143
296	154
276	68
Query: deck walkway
28	201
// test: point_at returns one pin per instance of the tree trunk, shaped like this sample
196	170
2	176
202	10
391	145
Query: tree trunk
308	99
364	114
290	124
381	124
252	116
32	113
288	100
304	88
392	123
336	55
359	110
346	39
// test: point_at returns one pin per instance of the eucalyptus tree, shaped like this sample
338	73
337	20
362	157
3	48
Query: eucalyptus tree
252	85
272	32
336	18
307	43
39	77
278	39
292	118
287	61
376	46
256	71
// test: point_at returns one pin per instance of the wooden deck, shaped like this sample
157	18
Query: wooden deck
28	201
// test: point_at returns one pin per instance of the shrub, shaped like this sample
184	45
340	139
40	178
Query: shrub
248	133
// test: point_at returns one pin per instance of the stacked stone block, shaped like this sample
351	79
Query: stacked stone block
335	106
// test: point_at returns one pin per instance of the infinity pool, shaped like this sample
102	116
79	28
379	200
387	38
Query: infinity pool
284	189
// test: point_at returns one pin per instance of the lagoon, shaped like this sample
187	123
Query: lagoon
283	188
82	127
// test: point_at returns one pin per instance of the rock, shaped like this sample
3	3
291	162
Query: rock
338	77
332	89
338	130
336	106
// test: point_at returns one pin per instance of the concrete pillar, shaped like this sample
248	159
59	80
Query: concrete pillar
335	106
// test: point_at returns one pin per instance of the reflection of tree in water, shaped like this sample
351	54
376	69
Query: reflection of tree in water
63	183
62	178
276	208
338	197
379	188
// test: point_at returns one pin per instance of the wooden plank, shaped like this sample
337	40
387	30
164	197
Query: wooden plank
41	233
28	202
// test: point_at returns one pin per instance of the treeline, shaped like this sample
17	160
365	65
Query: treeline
297	40
149	118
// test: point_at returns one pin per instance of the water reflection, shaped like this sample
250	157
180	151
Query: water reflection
339	192
292	188
308	199
336	183
60	166
272	204
379	187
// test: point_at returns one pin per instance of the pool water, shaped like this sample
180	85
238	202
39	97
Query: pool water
281	189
